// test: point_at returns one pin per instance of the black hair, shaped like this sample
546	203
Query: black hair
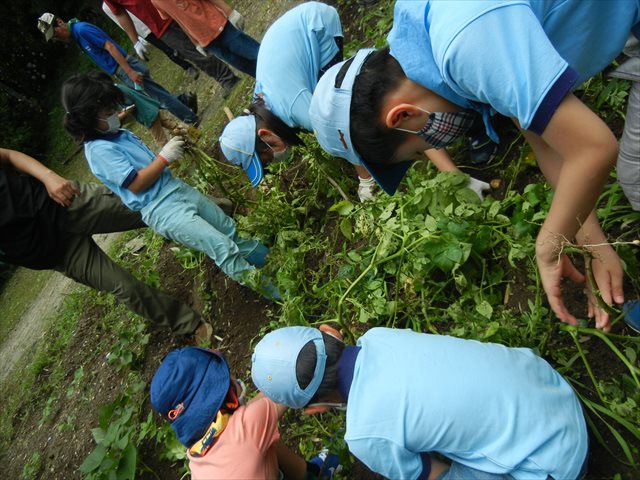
265	118
306	364
372	139
83	97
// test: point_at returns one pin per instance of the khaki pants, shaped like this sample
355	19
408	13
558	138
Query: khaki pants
98	210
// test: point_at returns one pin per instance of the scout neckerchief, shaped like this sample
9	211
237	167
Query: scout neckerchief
202	446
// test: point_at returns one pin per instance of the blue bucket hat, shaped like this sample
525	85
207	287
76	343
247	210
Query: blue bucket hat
273	365
188	389
330	117
238	143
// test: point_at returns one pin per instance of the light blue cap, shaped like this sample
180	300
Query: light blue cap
238	143
330	112
331	105
273	365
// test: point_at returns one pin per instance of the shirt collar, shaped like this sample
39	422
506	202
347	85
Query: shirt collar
346	366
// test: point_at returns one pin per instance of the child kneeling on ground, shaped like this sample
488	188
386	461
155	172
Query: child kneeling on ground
494	412
144	183
194	390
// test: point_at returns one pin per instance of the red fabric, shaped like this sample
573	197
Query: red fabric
145	11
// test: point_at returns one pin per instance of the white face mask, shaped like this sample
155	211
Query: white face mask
282	155
113	123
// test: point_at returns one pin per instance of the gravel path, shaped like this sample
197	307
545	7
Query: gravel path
19	346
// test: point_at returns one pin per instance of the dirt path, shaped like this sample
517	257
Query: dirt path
31	327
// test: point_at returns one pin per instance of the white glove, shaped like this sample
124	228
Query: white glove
366	188
173	150
202	51
478	186
141	48
236	20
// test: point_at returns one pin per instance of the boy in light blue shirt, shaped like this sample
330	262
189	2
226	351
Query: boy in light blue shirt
294	53
521	58
496	413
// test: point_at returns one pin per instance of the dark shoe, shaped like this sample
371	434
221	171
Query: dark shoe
190	100
194	73
481	149
228	87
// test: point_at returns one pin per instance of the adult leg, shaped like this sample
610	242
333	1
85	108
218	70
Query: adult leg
86	263
628	167
236	48
168	51
98	210
175	37
154	90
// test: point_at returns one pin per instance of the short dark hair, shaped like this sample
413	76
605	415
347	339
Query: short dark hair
306	364
265	118
83	97
372	139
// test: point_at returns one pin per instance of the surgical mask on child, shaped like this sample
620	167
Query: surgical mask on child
443	128
280	156
113	123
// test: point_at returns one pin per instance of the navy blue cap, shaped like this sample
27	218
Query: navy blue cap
188	389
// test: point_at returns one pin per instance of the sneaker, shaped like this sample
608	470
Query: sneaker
194	73
631	310
190	100
227	88
328	464
481	149
203	333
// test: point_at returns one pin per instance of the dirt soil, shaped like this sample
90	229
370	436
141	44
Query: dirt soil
60	429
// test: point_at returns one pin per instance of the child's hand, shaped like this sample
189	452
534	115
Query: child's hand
608	274
553	267
173	150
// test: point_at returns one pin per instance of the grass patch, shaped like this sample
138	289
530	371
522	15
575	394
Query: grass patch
18	293
23	387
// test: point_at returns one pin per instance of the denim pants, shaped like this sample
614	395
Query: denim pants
628	167
236	48
98	210
154	90
184	215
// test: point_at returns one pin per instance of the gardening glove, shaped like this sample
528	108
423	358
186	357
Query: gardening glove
141	48
173	150
478	186
202	51
236	20
366	188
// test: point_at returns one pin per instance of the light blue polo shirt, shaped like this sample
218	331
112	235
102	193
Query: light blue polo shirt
496	409
292	52
92	39
520	57
115	160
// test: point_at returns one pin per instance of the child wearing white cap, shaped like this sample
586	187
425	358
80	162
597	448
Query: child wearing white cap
294	53
495	413
446	60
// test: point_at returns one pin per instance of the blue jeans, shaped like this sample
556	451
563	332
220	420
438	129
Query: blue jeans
184	215
236	48
154	90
